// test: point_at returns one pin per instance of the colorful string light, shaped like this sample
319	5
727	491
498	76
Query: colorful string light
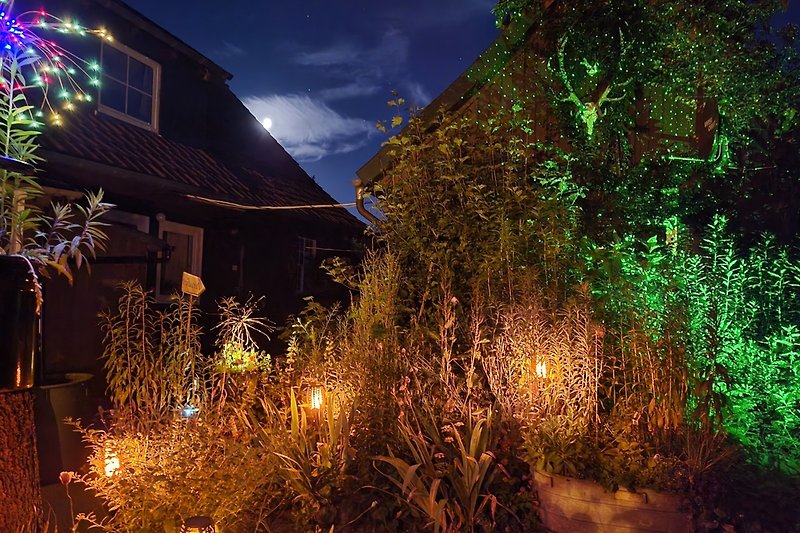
47	66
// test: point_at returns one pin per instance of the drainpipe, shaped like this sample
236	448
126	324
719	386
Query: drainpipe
360	203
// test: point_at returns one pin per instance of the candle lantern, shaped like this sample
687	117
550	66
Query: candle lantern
198	524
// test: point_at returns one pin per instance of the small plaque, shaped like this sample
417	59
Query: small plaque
192	285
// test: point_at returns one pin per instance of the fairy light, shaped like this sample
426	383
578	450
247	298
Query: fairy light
49	67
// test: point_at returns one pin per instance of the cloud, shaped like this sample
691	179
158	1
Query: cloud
308	128
415	94
338	54
351	90
360	61
228	50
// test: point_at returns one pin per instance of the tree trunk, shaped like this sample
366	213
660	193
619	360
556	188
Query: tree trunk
20	497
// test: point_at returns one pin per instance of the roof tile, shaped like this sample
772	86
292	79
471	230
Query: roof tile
102	139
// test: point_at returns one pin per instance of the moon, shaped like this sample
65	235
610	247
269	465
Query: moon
267	123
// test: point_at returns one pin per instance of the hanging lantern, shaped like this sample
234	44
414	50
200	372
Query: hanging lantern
315	395
198	524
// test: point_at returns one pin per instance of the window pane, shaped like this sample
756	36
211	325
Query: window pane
140	76
115	64
180	260
140	106
112	94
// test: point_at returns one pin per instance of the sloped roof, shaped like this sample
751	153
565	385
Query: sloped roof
104	140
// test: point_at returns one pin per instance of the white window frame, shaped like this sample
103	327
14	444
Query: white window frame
153	124
196	266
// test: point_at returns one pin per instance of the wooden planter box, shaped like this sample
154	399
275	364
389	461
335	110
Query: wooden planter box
570	505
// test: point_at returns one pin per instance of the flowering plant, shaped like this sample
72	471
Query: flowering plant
236	357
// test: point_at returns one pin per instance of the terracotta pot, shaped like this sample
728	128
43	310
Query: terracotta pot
18	323
569	505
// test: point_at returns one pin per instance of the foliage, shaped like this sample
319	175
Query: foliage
371	360
176	439
47	239
450	473
152	357
206	465
313	454
665	45
238	350
744	315
703	342
470	206
310	342
551	365
643	75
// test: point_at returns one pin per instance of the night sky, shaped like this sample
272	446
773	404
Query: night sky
323	70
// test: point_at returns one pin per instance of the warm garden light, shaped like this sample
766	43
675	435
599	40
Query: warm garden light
110	460
198	524
541	369
315	397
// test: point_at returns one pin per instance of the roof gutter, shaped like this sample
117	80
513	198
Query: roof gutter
360	207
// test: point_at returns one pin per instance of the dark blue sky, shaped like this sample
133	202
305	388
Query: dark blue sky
322	70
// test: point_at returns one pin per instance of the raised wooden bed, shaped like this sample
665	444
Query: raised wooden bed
569	505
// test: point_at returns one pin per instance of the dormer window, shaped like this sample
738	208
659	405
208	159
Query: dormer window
129	87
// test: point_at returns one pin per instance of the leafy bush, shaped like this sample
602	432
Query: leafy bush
175	444
201	466
312	456
448	479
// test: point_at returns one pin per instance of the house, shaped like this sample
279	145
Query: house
200	187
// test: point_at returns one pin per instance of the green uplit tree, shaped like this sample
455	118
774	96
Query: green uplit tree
635	88
634	83
594	125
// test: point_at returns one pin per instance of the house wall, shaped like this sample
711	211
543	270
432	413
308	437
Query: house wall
243	252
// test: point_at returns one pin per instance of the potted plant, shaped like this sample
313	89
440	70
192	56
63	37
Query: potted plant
33	240
595	455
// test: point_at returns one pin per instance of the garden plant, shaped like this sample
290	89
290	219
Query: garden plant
562	302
